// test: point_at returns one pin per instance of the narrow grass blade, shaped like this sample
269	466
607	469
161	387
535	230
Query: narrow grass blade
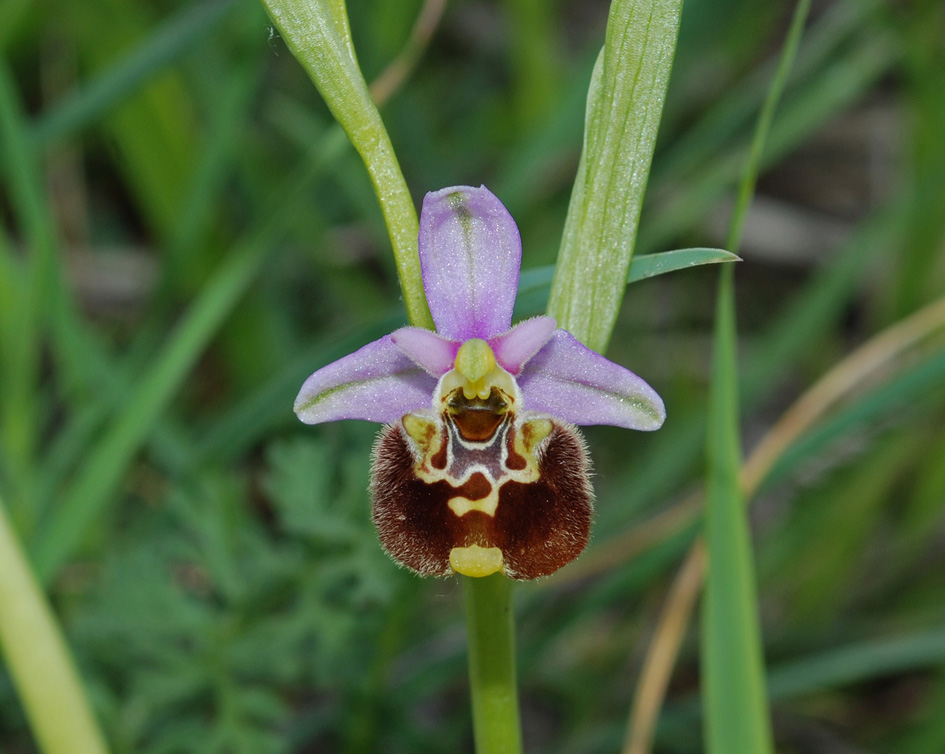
841	666
858	662
158	120
22	328
746	189
536	64
96	483
624	105
651	265
533	285
834	90
736	709
908	389
737	719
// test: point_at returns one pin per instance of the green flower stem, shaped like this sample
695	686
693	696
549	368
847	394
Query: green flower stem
38	660
491	626
317	33
624	106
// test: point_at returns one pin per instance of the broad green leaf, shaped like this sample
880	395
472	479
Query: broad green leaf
624	105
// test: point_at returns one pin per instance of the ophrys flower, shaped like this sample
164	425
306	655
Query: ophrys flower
479	468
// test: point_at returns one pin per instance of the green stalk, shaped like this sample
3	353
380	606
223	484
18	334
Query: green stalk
317	33
38	660
490	624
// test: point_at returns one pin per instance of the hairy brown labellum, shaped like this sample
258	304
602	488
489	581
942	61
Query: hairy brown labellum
480	484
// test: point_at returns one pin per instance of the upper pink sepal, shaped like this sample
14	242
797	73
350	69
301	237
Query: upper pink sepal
470	254
470	251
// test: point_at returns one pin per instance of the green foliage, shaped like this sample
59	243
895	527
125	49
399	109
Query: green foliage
624	106
186	235
215	618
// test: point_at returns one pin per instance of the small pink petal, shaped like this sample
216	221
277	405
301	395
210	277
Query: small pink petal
470	254
571	382
435	354
378	383
515	347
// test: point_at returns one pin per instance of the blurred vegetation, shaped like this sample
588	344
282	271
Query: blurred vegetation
186	236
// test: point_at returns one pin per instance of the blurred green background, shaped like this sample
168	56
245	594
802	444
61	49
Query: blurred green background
186	236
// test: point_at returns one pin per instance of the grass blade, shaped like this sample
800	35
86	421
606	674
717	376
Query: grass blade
737	719
651	265
736	709
94	487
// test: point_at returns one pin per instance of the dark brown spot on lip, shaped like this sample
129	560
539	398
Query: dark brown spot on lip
476	487
544	525
439	460
513	461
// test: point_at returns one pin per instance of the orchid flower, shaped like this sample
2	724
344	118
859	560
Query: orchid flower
479	468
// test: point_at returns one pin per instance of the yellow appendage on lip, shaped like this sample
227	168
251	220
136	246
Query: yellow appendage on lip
476	371
476	561
475	361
